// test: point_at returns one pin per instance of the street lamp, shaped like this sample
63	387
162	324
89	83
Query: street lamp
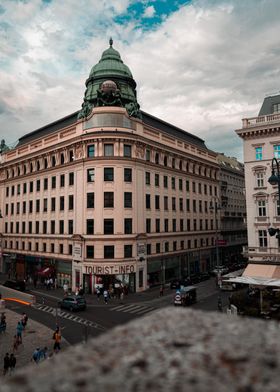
214	207
274	179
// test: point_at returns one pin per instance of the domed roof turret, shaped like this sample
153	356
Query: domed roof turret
110	68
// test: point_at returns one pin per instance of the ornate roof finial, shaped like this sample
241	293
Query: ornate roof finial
111	41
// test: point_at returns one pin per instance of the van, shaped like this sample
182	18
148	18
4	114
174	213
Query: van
185	296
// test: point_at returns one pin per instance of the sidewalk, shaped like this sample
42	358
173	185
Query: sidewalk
35	335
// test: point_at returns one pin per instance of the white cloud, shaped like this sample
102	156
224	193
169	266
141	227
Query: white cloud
149	12
203	69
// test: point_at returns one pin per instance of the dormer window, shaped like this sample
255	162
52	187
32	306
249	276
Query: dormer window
276	108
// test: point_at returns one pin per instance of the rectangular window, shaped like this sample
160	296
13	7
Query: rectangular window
259	153
262	238
174	225
260	179
182	244
12	208
166	228
52	247
127	251
108	174
53	204
148	201
30	206
37	205
127	199
194	205
277	208
108	226
38	185
70	226
90	151
127	174
148	178
173	183
187	186
165	203
157	225
71	156
45	227
156	179
205	206
13	190
165	181
71	178
61	249
24	207
61	227
108	199
52	227
70	249
7	191
174	245
173	203
148	225
7	209
90	226
193	187
30	227
71	202
45	205
44	247
261	208
127	226
166	246
199	187
188	205
194	225
148	155
18	189
157	206
90	252
109	252
90	175
53	182
90	200
205	189
61	203
127	150
200	205
276	108
181	224
45	184
62	180
108	150
18	207
158	247
181	203
180	184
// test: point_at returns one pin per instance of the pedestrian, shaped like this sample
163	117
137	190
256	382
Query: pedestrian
24	320
121	296
161	291
13	362
98	292
19	330
65	288
55	283
15	343
36	355
6	364
81	291
3	319
105	295
220	305
43	354
57	340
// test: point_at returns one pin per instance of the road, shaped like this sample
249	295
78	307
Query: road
99	317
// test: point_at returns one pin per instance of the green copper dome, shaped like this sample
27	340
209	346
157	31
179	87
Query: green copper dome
110	71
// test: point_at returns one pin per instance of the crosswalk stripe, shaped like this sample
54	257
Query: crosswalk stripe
125	307
144	311
130	310
138	309
118	307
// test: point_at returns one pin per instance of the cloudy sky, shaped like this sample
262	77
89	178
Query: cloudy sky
202	65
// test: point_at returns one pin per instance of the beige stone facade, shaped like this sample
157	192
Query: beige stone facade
261	137
109	196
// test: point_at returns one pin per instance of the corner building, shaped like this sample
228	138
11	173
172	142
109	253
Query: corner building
109	193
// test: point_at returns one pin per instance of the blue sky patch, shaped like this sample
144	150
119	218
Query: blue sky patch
163	8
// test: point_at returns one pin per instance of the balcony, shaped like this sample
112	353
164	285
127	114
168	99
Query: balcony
261	120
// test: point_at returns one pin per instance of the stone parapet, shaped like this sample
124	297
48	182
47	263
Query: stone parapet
170	350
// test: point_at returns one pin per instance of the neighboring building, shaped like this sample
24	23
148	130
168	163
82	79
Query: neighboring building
232	209
261	136
109	192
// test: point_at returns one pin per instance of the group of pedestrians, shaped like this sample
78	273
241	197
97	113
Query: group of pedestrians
110	294
9	363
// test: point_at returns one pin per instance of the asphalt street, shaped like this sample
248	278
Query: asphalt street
99	317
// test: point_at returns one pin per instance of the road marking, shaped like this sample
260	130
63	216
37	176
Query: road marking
124	307
145	311
135	308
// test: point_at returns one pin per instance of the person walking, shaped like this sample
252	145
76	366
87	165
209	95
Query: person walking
19	330
24	320
13	362
98	292
15	343
65	288
57	340
161	291
36	355
220	305
6	364
105	295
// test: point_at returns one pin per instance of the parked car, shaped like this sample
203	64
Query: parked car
195	278
73	302
15	284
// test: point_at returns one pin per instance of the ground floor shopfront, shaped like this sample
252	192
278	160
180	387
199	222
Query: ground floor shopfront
21	266
126	276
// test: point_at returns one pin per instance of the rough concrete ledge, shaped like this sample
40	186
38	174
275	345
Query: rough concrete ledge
171	350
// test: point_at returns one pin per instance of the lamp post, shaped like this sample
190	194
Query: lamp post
274	179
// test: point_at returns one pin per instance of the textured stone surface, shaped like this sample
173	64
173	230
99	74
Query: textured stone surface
171	350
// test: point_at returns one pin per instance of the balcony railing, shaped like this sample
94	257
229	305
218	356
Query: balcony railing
252	122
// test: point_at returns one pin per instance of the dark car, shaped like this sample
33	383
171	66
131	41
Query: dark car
15	284
175	284
73	302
